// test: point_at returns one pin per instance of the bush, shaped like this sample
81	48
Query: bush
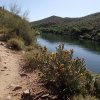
62	74
13	25
87	97
19	27
97	85
29	48
15	43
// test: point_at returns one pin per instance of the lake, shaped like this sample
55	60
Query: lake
89	50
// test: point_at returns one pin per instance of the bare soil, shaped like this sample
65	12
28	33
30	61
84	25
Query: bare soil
12	81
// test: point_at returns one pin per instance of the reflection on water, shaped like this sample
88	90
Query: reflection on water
88	50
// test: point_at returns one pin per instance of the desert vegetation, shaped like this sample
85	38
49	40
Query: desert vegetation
62	75
14	27
15	43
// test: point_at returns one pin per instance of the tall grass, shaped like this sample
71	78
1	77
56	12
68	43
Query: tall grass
16	44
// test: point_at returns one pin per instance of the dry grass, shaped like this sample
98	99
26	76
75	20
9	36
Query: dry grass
62	74
88	97
16	44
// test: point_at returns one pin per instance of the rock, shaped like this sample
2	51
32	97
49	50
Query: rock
9	47
5	67
38	95
23	52
27	91
52	97
16	87
39	74
4	62
13	85
2	70
7	51
2	44
45	95
8	97
23	74
0	59
16	94
26	95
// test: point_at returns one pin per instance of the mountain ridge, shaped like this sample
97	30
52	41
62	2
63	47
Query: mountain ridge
87	27
54	16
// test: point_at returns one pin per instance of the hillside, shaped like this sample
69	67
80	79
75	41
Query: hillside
52	20
12	25
87	27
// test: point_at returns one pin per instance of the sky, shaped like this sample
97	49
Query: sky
39	9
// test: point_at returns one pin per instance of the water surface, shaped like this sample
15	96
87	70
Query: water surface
88	50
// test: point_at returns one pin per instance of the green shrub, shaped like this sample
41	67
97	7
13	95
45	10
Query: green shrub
15	43
13	25
6	37
19	27
29	48
97	85
87	97
62	74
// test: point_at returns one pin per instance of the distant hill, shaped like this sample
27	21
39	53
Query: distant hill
87	27
53	20
61	20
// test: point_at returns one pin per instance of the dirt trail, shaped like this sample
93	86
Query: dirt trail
12	84
9	69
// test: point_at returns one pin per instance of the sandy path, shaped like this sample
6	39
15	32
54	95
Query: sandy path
10	77
9	69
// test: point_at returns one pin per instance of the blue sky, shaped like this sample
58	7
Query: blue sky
40	9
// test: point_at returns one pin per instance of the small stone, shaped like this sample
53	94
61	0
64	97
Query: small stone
7	51
16	87
26	95
4	62
51	97
45	95
2	44
5	67
8	97
2	70
16	94
12	85
39	99
23	52
39	74
23	74
9	47
0	59
27	91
